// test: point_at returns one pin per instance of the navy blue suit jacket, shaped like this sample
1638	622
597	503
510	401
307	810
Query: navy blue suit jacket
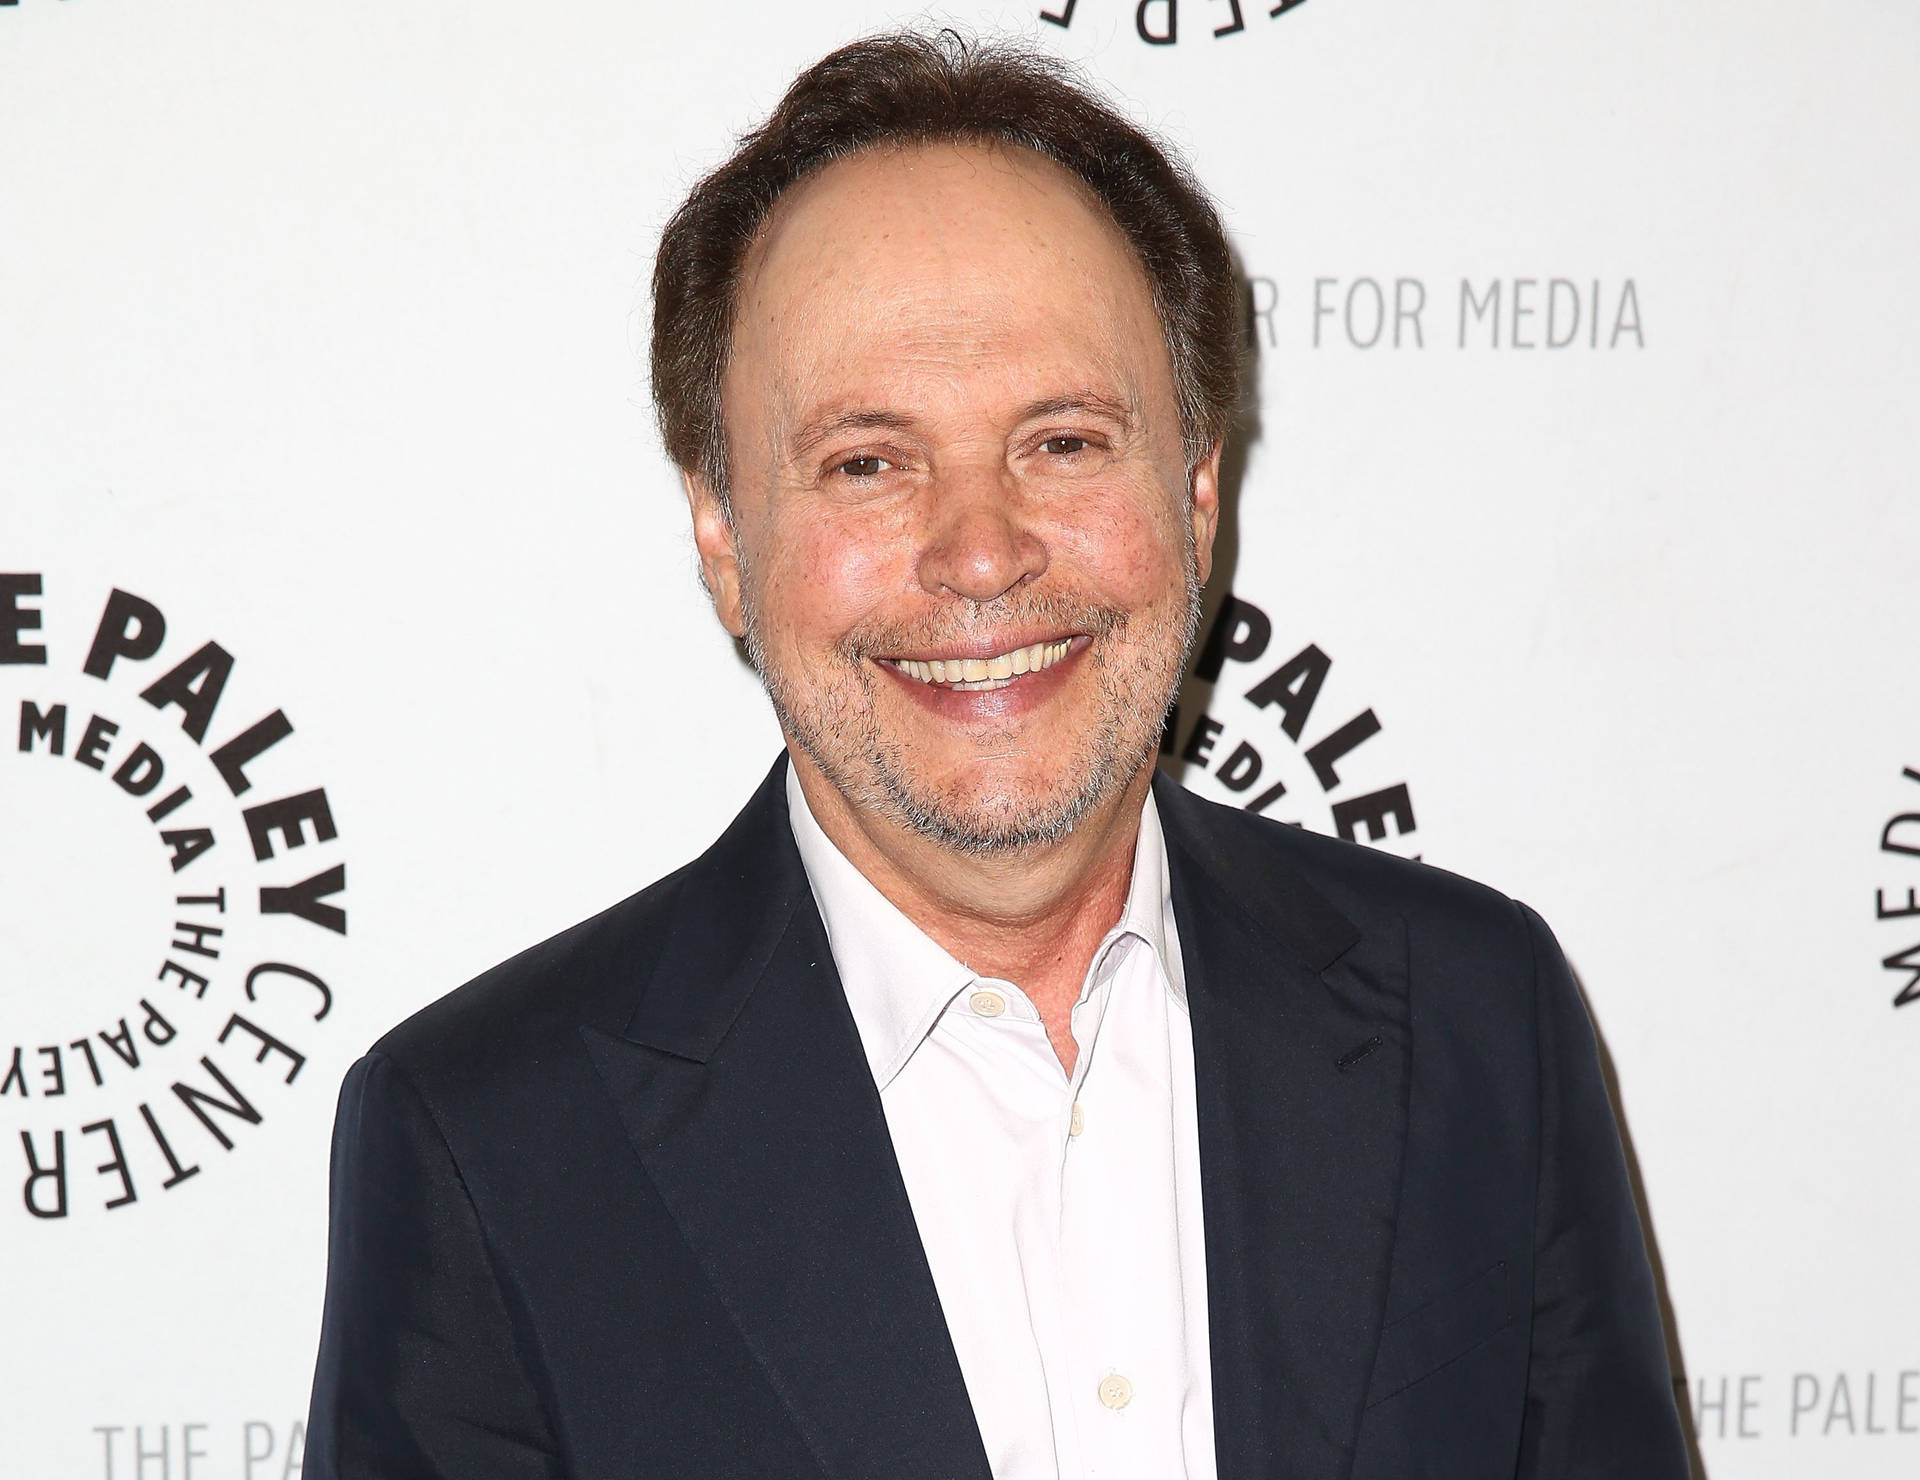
627	1206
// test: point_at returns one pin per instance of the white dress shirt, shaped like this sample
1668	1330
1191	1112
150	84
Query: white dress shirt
1060	1216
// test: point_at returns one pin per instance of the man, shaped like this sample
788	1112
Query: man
978	1104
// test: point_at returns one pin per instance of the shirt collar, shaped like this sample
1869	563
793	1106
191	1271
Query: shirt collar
898	980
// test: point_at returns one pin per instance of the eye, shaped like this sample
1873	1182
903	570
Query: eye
1064	446
864	467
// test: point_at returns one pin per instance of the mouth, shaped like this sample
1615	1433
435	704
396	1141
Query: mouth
1002	670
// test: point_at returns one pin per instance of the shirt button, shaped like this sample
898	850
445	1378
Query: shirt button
987	1004
1076	1122
1115	1391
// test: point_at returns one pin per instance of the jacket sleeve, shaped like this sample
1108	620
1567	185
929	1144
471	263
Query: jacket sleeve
419	1373
1600	1399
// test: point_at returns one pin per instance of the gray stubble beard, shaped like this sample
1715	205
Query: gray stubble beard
834	736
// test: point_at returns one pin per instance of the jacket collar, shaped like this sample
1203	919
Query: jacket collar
740	897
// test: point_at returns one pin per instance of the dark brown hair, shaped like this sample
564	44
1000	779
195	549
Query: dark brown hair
909	88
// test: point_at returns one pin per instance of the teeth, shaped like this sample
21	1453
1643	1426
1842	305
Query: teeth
985	673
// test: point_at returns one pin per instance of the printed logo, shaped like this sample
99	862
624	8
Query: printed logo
171	905
1900	841
1475	314
1157	22
1270	734
1802	1405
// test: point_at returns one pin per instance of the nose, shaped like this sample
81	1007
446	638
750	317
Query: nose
980	544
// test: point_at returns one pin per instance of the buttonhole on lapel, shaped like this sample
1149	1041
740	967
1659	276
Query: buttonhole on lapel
1355	1054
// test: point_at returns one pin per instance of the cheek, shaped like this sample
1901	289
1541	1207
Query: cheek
825	574
1132	548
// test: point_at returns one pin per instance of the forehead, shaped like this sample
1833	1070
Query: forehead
937	265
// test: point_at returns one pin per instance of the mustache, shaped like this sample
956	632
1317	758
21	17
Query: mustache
1058	611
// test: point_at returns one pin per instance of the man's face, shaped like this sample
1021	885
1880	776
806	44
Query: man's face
965	548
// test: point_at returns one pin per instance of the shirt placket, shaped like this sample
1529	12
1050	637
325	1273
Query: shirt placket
1099	1388
1124	1249
1034	1090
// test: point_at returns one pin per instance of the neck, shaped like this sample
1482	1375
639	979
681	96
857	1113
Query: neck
1033	918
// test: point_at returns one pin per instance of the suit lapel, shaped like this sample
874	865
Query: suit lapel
1301	1054
742	1084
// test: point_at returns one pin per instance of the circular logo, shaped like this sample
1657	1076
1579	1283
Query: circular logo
1899	903
1159	22
1261	725
172	903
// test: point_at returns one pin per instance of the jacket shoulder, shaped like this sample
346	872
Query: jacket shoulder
533	1003
518	1026
1365	886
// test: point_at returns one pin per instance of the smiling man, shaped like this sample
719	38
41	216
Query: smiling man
979	1105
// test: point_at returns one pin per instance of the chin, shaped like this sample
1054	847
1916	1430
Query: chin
1003	815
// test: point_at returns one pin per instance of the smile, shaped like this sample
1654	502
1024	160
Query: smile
984	673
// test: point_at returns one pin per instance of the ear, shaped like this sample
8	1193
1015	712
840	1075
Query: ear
714	538
1204	508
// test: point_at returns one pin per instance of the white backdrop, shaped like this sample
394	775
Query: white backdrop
320	334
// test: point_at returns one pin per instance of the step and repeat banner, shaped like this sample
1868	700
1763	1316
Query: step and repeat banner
350	639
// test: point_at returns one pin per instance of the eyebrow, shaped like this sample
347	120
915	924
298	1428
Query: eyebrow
811	434
1082	401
